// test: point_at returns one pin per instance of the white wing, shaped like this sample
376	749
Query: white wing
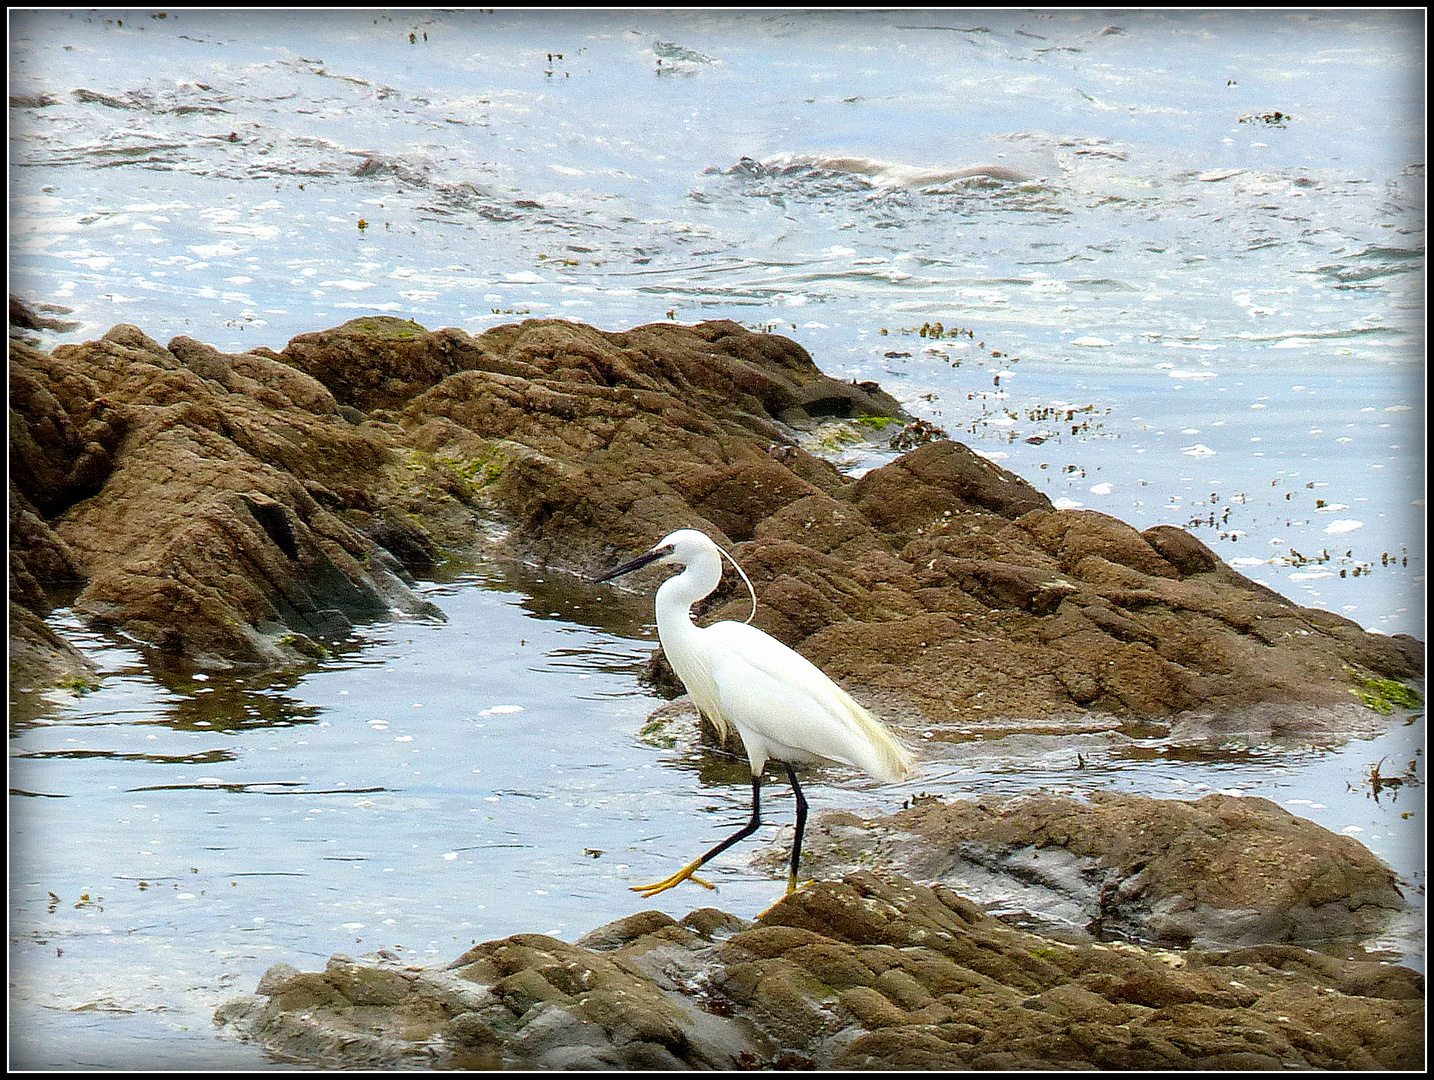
784	707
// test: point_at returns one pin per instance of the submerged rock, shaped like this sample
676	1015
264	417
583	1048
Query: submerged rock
227	508
42	657
865	973
23	317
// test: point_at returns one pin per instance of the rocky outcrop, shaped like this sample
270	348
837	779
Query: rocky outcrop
230	508
23	317
865	973
1220	871
193	495
41	657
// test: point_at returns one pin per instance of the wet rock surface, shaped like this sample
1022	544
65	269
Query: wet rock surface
1220	871
24	317
867	972
239	508
192	495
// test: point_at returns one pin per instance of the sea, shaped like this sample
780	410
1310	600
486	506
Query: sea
1164	264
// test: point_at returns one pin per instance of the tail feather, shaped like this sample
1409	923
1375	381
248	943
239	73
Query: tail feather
888	761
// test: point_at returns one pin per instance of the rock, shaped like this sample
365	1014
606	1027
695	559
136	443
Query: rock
38	558
375	363
196	495
940	587
40	561
935	481
22	315
40	658
239	508
1219	871
617	934
865	973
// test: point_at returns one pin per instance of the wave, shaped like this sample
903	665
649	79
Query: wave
886	174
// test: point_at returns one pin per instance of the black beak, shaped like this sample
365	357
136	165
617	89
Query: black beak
635	564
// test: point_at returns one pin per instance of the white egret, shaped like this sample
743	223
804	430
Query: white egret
783	707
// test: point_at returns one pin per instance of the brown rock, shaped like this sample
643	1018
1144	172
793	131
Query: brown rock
184	487
22	315
941	586
1221	869
865	973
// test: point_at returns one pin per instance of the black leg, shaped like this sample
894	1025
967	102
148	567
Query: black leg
691	868
746	830
801	828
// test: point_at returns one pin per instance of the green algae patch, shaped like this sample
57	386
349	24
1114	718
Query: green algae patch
80	685
385	326
1384	695
305	646
482	470
880	423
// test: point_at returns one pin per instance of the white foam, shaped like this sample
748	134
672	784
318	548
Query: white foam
1344	525
501	710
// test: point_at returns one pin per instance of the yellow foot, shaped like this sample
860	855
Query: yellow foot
792	886
687	873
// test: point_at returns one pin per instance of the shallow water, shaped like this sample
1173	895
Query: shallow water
1200	320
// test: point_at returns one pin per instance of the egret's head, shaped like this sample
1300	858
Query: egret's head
678	548
686	548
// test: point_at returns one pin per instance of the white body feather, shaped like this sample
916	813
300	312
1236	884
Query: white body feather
781	704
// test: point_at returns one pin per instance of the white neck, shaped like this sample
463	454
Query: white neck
677	595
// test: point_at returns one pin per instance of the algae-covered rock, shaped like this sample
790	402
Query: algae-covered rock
209	504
